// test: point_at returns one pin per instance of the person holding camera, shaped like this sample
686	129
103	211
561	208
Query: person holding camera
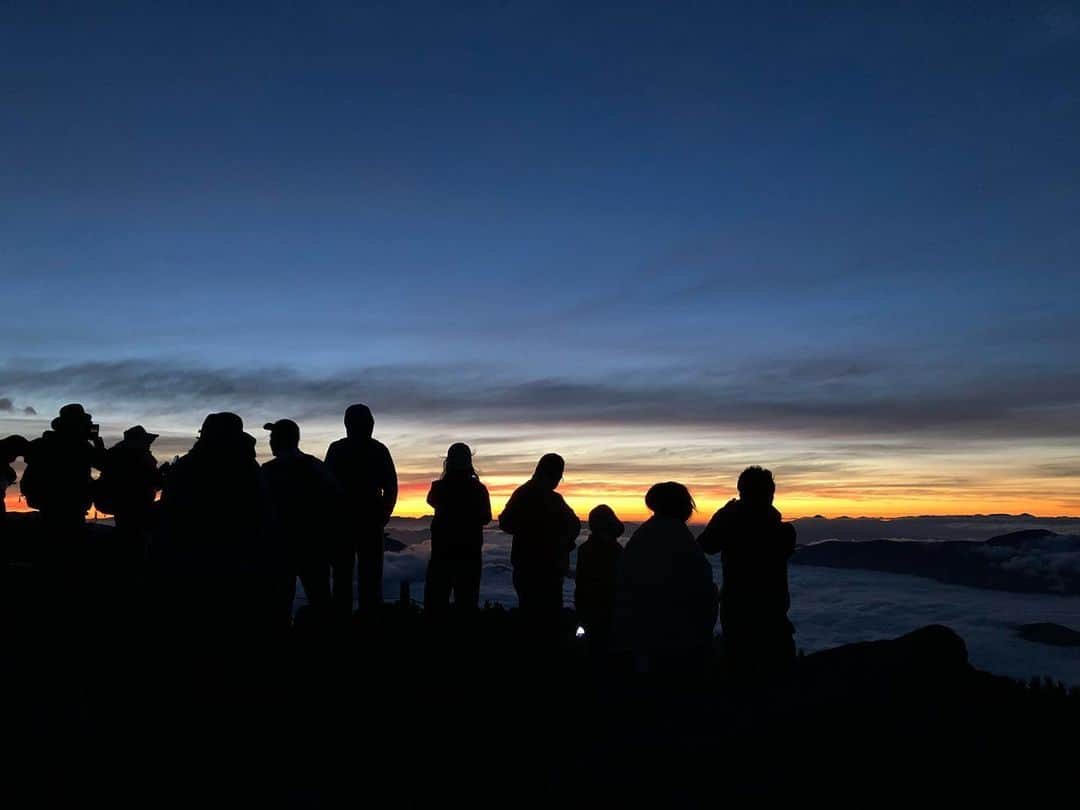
57	480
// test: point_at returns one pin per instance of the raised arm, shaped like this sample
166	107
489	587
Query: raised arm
509	520
713	537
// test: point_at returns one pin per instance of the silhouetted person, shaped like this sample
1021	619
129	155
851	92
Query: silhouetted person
666	602
365	472
544	529
306	501
462	509
11	448
129	482
217	554
57	480
597	570
754	546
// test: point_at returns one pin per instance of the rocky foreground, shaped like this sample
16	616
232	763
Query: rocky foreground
106	707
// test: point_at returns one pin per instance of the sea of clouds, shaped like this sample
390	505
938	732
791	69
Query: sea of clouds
831	607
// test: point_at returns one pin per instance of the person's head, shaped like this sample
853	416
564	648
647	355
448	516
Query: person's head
756	486
219	428
358	421
11	448
74	421
670	499
603	520
549	469
458	460
138	436
284	436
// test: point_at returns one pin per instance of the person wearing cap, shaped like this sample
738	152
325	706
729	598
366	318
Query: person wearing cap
594	581
216	555
544	529
129	483
462	510
365	472
306	500
57	480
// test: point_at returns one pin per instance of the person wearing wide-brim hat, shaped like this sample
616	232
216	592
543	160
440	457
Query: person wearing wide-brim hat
57	480
138	436
129	484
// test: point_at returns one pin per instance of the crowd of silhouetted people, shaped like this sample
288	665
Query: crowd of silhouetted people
226	539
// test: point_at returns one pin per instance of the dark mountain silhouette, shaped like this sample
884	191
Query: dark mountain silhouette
1030	561
927	527
1021	539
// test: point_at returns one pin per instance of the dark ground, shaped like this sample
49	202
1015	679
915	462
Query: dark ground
103	707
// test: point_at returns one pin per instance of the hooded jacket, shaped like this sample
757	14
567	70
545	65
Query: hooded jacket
543	526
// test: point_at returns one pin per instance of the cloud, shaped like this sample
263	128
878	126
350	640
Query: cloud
7	405
832	606
832	399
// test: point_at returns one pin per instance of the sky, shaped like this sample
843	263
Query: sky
665	240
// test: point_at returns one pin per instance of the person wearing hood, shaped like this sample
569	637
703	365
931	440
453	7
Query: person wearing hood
666	602
462	510
57	480
306	500
544	529
594	581
364	470
754	544
129	483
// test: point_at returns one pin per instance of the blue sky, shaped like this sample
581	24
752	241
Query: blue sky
670	238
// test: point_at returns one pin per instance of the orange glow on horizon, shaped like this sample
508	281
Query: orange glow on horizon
836	500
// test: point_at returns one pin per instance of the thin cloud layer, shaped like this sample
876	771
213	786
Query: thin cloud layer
811	399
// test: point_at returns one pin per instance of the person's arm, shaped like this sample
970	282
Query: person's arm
433	495
389	485
97	453
508	520
714	535
789	536
573	524
484	510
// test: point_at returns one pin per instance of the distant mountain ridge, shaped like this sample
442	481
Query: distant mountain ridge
1026	561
